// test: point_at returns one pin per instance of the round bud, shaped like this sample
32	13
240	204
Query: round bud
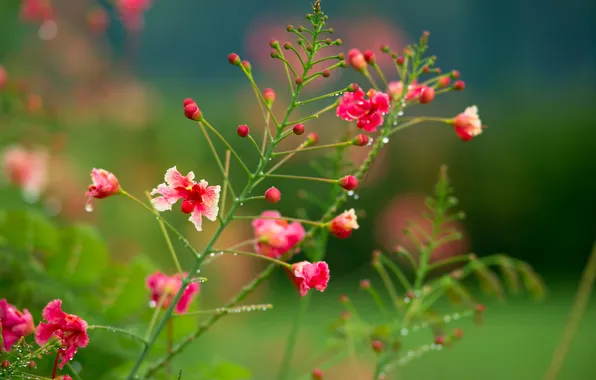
187	206
274	44
192	112
312	138
455	74
345	315
328	41
400	60
247	66
426	69
480	308
361	140
377	346
348	182
364	284
353	87
385	48
427	95
317	374
330	30
356	59
5	364
298	129
438	70
440	340
274	54
300	28
290	28
269	96
234	59
343	299
187	101
287	45
458	333
341	56
298	81
369	57
326	73
273	195
444	82
242	130
459	85
32	364
339	42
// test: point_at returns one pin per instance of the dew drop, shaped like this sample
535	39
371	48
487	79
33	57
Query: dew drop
212	254
356	196
400	113
241	204
221	253
385	140
235	254
88	207
447	318
152	304
350	193
198	271
404	332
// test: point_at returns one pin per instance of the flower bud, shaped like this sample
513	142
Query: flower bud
439	340
234	59
444	82
298	81
312	138
345	315
5	364
369	57
400	60
274	44
242	130
342	225
364	284
272	195
438	70
287	45
353	87
188	101
192	112
426	69
377	346
247	66
341	56
385	48
458	333
361	140
455	74
326	73
459	85
427	95
269	96
356	59
298	129
32	364
317	374
348	182
339	42
290	28
344	299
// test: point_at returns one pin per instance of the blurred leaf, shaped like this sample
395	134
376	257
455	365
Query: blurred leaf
532	281
489	281
126	290
510	275
29	231
223	371
83	257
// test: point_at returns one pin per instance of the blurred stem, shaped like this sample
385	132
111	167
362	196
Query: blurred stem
158	307
279	218
119	331
226	182
235	246
451	260
289	176
227	144
55	369
166	236
370	79
252	139
326	96
228	310
170	346
74	373
287	68
284	368
222	170
377	299
388	284
267	131
580	304
257	256
327	146
378	69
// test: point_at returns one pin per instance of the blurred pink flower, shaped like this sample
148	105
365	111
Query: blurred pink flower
342	225
467	124
310	276
104	184
199	199
36	10
131	12
369	113
162	285
15	324
415	91
3	77
69	328
276	237
409	208
26	169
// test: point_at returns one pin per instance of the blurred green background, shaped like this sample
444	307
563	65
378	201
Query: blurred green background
527	183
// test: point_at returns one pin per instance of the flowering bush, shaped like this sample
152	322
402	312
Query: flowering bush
75	260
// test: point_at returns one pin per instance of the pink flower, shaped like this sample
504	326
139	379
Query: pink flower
162	285
131	12
467	124
356	59
199	199
26	169
3	77
276	237
368	112
104	184
15	324
415	91
36	10
311	275
69	328
342	225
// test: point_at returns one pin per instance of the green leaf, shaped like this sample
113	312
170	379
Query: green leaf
83	257
29	231
224	371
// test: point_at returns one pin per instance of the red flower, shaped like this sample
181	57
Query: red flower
15	324
199	199
104	184
162	285
311	275
36	10
26	169
467	124
367	112
70	329
342	225
131	12
275	236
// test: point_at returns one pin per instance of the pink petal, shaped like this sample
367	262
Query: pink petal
196	219
187	297
53	311
44	332
175	179
169	197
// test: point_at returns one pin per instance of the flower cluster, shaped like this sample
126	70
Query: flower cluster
164	288
368	110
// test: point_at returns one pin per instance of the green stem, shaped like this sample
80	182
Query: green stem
166	236
288	176
287	64
380	72
227	144
256	146
224	196
217	160
235	309
291	342
336	145
119	331
370	79
158	307
255	198
451	260
397	272
326	96
388	284
315	116
257	256
280	218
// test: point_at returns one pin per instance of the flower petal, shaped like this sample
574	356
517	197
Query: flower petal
196	219
175	179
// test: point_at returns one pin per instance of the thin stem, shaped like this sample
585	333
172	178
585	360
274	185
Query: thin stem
259	94
235	246
237	309
370	79
166	236
315	116
451	260
216	132
256	146
226	182
55	369
119	331
377	298
74	373
319	224
255	198
297	55
582	298
170	346
397	272
284	367
287	68
402	252
288	176
388	284
326	96
158	307
287	64
380	72
336	145
264	143
257	256
222	170
325	59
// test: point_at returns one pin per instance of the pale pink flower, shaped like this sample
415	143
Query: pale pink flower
131	12
198	199
162	285
310	276
467	124
15	324
36	10
342	225
104	184
368	113
275	236
415	90
69	328
26	169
